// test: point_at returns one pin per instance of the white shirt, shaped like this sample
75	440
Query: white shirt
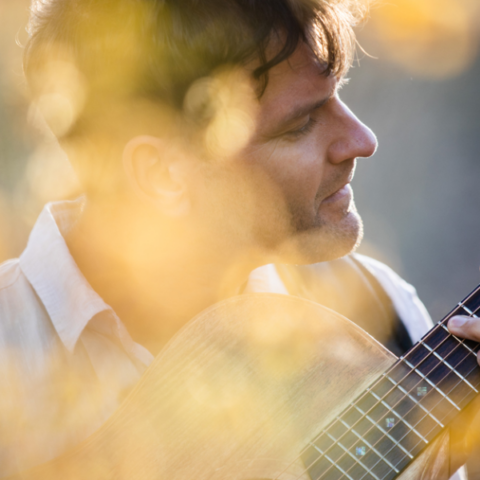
66	359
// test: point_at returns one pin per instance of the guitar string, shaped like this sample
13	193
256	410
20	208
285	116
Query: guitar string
376	424
459	382
395	442
425	338
425	358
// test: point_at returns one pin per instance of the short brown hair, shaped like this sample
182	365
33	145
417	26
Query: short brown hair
158	48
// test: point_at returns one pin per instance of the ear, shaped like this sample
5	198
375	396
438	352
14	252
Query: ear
156	170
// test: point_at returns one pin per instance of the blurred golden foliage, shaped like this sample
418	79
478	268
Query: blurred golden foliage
431	38
63	95
228	100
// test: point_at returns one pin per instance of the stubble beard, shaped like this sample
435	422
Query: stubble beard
323	240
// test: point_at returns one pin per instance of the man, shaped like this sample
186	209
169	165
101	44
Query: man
211	143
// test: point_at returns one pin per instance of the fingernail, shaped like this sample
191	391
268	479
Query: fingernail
456	323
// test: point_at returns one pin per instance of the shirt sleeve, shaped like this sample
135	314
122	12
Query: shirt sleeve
404	297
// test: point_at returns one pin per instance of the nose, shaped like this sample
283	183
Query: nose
351	138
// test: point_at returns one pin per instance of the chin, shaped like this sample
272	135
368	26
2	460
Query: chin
323	243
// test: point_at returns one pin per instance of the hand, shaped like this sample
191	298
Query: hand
465	430
465	327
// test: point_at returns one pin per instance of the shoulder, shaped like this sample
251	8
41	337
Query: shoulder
328	283
388	278
403	295
382	272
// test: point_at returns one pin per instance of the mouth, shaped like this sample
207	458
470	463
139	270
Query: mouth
342	192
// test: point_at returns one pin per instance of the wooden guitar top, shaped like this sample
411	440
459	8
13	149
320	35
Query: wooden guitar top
237	394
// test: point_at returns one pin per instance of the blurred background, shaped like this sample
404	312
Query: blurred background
420	195
417	88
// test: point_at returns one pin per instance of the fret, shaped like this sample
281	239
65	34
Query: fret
378	412
378	444
337	430
381	462
470	345
474	376
316	461
448	346
380	433
398	372
327	465
435	337
391	449
458	310
473	346
427	426
412	386
409	413
353	414
402	408
467	310
331	447
381	412
343	456
430	424
377	465
469	366
430	401
408	437
434	386
444	326
323	442
336	451
388	440
400	432
428	364
398	458
458	355
447	377
368	457
461	393
365	433
371	445
473	301
415	357
452	368
400	427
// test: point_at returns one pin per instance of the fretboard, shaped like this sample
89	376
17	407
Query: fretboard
384	429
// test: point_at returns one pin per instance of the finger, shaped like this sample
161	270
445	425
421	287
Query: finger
465	327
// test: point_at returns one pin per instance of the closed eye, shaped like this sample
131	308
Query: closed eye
299	132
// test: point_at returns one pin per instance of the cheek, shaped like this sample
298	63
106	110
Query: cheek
297	169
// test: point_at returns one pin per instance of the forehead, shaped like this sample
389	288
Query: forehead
298	80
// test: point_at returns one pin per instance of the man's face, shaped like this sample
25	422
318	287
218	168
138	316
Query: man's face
300	160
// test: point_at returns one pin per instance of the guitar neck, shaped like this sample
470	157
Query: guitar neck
399	415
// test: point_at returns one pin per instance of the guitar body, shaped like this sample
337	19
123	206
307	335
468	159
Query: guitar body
236	395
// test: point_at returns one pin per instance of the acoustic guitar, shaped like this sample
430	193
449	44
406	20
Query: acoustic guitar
266	386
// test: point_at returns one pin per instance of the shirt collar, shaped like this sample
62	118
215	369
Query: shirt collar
51	270
69	299
265	280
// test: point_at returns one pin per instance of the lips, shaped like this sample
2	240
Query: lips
343	191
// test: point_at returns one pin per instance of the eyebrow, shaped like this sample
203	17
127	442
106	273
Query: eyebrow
308	108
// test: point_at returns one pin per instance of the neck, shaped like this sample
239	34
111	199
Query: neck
155	279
